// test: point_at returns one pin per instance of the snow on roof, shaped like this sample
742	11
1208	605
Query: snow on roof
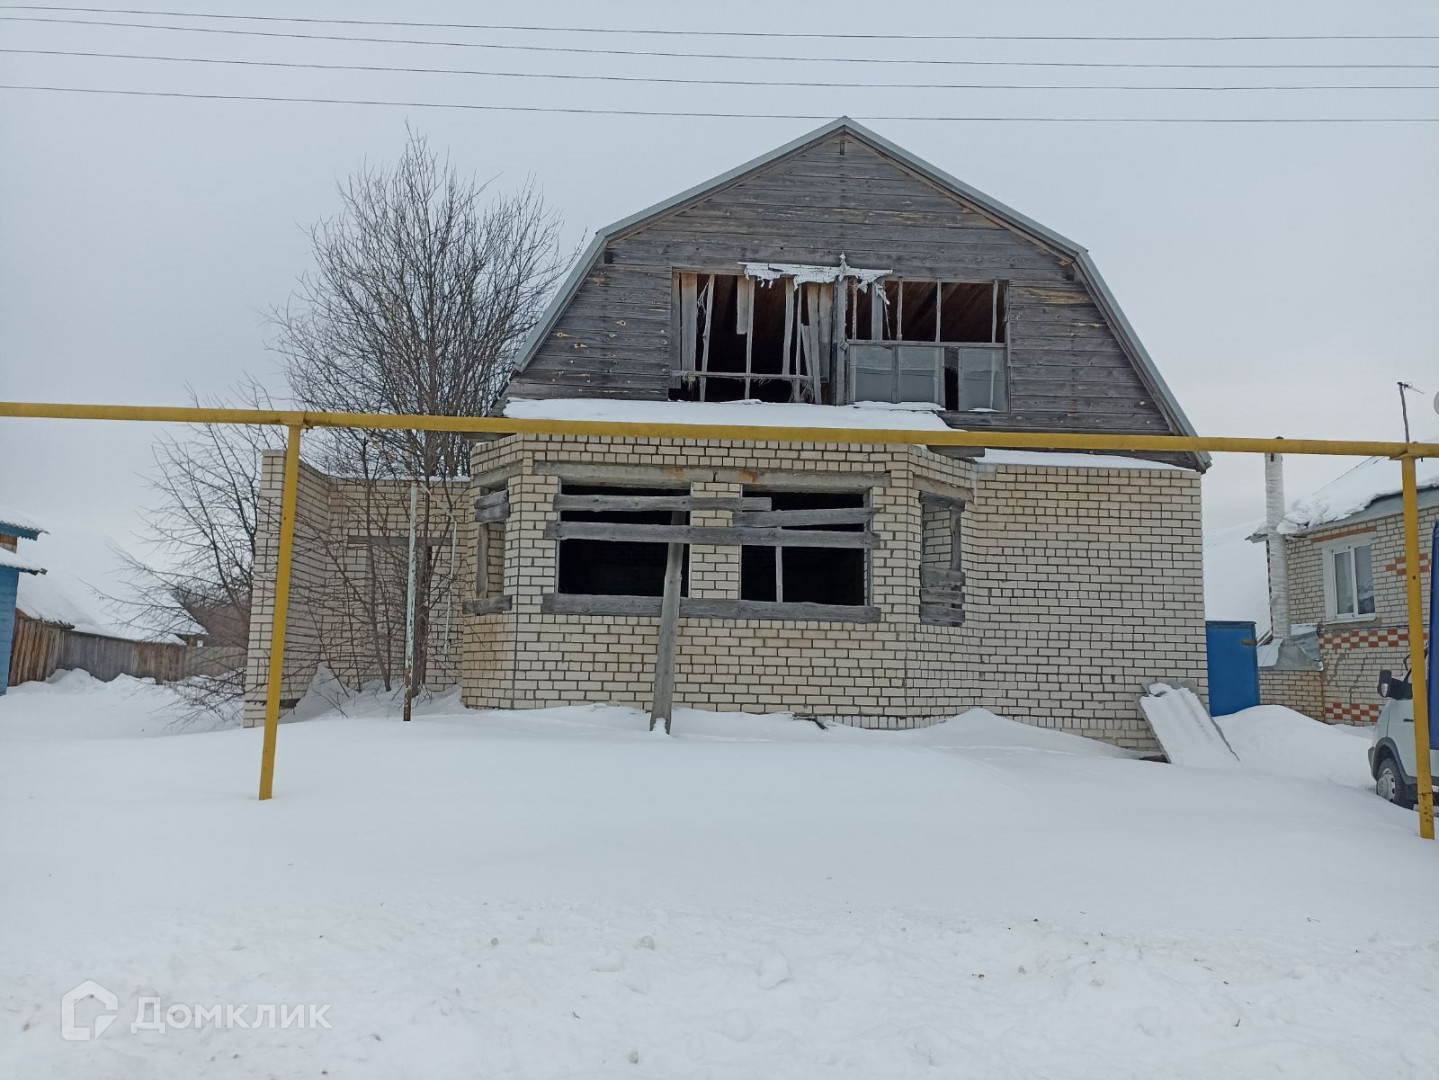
54	599
19	562
908	416
1071	461
1236	577
16	520
1361	486
84	569
869	415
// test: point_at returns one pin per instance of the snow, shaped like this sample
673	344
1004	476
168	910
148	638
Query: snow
19	562
873	415
1070	461
560	894
17	519
916	416
1185	729
1371	479
84	583
1274	739
1236	576
802	273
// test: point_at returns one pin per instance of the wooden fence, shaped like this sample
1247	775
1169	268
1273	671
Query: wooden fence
40	649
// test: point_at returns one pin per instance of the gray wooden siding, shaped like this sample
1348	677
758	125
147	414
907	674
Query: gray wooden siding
1067	369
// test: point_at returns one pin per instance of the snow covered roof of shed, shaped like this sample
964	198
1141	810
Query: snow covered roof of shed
9	559
1368	482
15	523
1084	265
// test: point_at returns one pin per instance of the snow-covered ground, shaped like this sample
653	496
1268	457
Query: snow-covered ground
561	894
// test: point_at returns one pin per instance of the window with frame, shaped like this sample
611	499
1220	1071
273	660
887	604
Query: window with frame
600	567
944	342
802	575
1349	580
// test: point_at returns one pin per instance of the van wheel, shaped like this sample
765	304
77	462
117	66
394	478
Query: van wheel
1389	784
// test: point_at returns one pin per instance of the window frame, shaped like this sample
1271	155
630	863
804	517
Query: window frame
950	354
866	497
1329	553
660	487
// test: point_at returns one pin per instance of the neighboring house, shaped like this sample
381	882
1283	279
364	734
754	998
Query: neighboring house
1337	591
59	624
838	281
14	527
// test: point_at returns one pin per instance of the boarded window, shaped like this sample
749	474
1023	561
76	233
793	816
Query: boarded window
618	567
941	569
797	575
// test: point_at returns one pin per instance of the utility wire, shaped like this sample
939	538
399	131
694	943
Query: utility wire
414	24
736	115
311	66
579	50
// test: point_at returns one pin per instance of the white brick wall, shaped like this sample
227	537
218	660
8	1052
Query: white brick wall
1083	585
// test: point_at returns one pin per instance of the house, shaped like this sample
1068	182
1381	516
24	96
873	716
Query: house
837	281
1337	590
14	527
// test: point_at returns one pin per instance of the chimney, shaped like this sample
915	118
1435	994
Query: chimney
1274	508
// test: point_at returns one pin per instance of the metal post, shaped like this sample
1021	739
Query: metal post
1423	771
275	676
410	604
669	632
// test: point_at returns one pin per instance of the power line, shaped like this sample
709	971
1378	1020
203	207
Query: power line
570	76
652	31
580	50
735	115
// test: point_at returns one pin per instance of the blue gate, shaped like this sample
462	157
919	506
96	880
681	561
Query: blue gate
1233	666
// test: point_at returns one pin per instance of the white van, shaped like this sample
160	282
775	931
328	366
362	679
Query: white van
1391	755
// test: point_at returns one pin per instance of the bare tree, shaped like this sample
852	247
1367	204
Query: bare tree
420	296
423	287
200	534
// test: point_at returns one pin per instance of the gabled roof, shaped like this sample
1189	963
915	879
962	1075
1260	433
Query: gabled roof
1128	339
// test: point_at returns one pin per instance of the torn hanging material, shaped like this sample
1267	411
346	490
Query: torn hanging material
811	274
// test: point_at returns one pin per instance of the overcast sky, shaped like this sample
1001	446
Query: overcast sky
1283	276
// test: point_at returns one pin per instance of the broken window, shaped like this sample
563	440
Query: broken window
931	341
744	337
618	567
795	575
941	566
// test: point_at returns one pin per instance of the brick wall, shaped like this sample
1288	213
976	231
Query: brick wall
1355	650
1302	691
331	583
1083	586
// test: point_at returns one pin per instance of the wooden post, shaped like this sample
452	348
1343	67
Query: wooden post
1423	771
669	632
288	499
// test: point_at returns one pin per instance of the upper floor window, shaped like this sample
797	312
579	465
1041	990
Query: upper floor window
935	341
742	337
1349	580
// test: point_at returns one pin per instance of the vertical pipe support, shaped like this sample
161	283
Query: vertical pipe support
410	604
275	674
1423	771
